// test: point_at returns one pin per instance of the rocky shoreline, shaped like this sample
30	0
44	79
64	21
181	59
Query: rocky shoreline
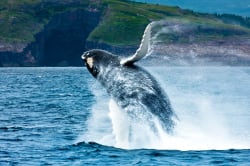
213	53
235	54
176	40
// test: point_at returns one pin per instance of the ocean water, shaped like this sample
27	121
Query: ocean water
62	116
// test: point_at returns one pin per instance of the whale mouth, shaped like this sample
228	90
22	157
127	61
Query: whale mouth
85	55
84	58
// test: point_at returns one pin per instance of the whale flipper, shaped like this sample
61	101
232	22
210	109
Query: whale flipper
142	50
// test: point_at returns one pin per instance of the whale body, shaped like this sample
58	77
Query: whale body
133	88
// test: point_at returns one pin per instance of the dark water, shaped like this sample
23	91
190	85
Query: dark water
44	111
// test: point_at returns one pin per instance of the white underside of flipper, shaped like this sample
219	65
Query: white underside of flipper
142	50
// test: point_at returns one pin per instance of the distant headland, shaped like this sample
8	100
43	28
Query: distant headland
55	33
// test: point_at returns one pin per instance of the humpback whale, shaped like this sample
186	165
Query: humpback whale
133	88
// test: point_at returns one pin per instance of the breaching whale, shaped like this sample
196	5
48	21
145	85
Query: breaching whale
133	88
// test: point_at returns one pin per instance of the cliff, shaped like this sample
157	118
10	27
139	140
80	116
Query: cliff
56	33
178	42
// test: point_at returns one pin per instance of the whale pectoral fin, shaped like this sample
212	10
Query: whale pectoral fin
142	50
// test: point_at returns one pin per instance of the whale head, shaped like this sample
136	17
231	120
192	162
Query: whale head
96	60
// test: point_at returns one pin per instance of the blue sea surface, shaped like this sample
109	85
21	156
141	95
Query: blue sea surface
59	116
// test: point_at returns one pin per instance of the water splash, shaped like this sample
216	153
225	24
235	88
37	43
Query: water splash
204	122
132	133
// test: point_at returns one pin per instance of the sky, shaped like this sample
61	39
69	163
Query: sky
237	7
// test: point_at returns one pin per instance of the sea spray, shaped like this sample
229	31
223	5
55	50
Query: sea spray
120	125
206	120
110	125
134	133
208	117
98	125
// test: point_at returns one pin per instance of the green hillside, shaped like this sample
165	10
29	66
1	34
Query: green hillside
122	22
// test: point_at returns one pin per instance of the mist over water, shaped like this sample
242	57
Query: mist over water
211	104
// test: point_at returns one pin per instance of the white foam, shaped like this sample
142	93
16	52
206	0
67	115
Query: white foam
200	132
201	125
